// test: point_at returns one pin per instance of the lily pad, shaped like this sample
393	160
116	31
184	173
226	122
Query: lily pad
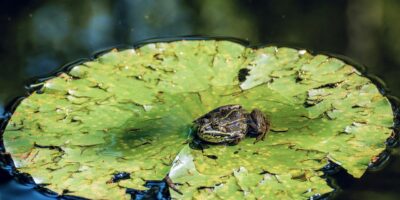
132	111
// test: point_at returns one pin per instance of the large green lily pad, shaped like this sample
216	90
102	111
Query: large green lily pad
131	111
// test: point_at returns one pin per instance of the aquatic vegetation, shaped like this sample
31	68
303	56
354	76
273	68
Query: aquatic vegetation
130	113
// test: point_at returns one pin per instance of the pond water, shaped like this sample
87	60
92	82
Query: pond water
38	37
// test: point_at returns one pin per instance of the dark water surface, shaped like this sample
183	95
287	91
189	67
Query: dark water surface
37	37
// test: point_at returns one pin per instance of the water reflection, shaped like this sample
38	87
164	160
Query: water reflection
15	191
1	110
36	65
153	19
51	24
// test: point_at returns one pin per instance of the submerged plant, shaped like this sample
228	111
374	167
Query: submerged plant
126	117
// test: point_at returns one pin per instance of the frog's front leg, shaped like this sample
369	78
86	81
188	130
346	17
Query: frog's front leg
235	141
258	124
235	138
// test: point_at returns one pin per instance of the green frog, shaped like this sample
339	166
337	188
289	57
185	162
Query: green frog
230	124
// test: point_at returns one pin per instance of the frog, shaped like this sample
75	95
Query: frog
230	124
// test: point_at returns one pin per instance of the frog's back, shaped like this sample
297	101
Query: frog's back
235	121
224	124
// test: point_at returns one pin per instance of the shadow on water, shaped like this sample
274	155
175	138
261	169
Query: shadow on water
40	36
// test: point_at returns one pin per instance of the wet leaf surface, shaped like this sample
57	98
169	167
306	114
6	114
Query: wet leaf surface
131	111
